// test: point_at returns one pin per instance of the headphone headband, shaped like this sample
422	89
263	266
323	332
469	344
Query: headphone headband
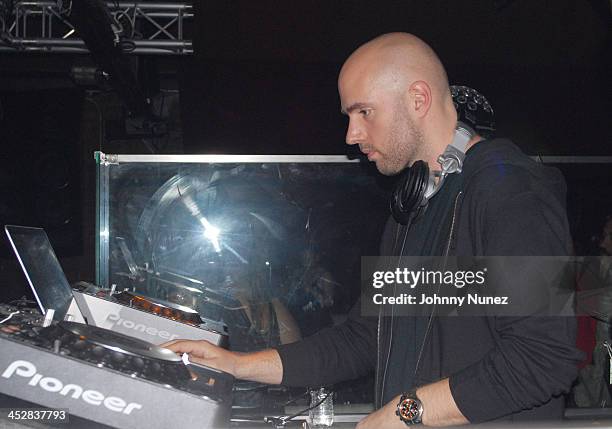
454	154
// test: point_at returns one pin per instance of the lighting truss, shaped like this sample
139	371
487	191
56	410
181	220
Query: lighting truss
141	27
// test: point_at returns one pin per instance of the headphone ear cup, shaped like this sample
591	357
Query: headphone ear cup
408	198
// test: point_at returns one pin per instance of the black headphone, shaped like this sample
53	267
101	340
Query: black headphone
417	184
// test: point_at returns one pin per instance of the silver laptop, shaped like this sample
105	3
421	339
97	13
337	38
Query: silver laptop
42	269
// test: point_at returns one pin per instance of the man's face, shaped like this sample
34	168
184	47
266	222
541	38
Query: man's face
379	123
606	238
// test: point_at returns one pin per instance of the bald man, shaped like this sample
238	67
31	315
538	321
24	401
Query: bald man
379	81
454	370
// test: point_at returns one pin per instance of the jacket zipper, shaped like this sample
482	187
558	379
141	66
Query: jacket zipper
452	228
378	397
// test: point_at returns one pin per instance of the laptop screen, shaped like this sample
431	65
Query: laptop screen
42	269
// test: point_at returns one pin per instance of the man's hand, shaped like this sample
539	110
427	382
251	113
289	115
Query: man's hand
264	366
383	418
204	353
10	329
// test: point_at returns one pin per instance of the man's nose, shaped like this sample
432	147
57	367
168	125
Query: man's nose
354	134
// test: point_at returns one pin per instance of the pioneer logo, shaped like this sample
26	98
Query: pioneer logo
140	327
23	368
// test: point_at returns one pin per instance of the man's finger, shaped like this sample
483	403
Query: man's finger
200	361
181	346
169	343
188	346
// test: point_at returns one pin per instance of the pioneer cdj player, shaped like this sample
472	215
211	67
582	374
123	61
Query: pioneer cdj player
110	378
143	317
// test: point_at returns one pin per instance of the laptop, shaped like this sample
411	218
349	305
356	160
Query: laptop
52	291
41	268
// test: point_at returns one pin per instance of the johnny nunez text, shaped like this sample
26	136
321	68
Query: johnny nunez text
409	299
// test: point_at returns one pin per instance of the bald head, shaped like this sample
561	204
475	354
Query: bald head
395	91
396	60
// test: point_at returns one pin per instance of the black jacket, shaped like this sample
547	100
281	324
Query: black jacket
502	204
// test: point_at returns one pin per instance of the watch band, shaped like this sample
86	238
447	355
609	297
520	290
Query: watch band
409	408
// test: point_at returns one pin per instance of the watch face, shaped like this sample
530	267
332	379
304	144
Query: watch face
408	409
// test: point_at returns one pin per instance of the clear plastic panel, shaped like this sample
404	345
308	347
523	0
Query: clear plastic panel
272	249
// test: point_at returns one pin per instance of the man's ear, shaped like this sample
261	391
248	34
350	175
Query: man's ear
419	98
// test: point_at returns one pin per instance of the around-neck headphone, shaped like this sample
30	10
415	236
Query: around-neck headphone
417	184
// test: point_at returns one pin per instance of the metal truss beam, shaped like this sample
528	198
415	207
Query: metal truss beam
153	28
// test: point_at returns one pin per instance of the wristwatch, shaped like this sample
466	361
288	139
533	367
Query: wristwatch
409	408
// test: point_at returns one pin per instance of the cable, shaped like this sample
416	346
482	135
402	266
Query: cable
282	421
399	261
291	401
431	316
9	317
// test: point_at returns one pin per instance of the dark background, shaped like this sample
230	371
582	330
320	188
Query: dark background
263	80
266	71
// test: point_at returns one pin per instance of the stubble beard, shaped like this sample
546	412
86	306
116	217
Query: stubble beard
403	143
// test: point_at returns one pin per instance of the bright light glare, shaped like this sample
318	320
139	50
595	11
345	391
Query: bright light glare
211	233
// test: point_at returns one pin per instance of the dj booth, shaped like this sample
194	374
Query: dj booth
194	247
190	247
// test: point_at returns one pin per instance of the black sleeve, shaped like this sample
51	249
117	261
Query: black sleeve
535	357
343	352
